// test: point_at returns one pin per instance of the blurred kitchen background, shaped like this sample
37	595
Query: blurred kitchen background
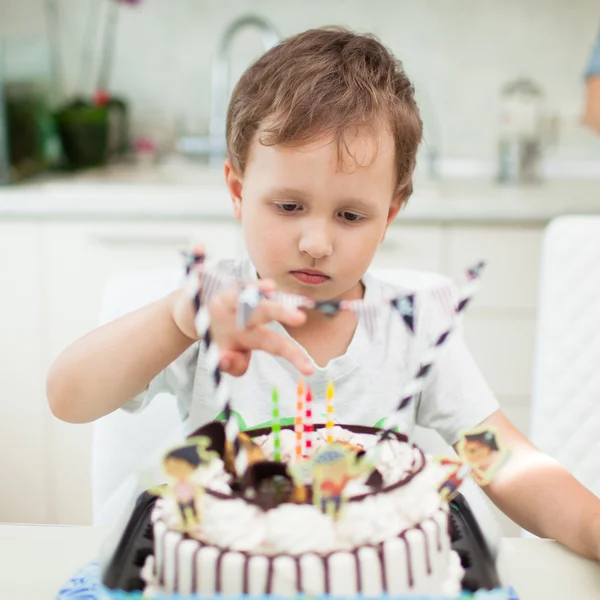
110	146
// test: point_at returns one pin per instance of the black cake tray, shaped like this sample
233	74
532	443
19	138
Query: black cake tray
136	544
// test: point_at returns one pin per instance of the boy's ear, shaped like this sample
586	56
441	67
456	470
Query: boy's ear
234	184
397	203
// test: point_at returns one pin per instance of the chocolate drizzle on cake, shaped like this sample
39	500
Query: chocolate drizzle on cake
326	574
297	558
426	543
219	572
409	568
195	568
246	574
381	554
439	534
176	576
270	569
358	570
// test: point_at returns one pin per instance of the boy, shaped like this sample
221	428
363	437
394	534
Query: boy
322	135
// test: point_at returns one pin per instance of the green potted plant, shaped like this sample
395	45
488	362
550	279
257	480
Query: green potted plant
94	129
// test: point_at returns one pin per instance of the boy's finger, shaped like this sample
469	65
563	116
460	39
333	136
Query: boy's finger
270	310
227	301
262	338
234	363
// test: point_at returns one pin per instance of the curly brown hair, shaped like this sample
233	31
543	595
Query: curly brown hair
325	82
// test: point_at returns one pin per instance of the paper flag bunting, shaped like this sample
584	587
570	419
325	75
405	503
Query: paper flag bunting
406	307
416	384
248	301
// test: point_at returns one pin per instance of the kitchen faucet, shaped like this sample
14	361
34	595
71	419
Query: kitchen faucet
213	145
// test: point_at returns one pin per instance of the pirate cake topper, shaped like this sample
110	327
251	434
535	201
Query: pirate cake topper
480	454
180	465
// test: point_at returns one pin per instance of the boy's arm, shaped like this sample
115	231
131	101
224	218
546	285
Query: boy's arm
112	364
107	367
541	495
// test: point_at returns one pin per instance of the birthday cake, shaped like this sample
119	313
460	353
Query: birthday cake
269	530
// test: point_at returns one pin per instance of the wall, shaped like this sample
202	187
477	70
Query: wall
458	52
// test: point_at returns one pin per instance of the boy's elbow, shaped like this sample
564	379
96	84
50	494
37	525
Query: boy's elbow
60	397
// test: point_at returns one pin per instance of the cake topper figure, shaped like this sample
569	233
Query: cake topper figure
330	468
181	464
480	455
482	451
454	478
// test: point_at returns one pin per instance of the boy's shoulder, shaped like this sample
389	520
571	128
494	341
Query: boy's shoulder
391	282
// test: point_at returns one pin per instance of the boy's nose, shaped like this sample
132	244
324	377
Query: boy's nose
316	242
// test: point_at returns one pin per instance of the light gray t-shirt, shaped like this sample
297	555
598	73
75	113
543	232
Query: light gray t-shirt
369	378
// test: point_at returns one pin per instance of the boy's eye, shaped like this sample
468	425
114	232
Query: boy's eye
288	207
350	216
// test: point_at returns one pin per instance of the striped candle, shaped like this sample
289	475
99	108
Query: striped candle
298	421
276	427
329	421
308	423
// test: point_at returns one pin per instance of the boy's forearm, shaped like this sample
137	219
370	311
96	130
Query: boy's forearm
110	365
544	498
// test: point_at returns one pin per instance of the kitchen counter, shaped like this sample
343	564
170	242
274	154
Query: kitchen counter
184	193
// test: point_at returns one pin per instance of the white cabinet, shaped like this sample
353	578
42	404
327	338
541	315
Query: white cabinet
411	247
512	255
24	465
81	258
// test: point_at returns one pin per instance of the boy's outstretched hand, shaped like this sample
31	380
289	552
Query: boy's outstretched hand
237	345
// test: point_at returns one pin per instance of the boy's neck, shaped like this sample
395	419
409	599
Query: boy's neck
327	337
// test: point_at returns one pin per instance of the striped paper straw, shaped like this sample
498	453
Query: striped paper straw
417	383
329	421
308	423
276	427
298	422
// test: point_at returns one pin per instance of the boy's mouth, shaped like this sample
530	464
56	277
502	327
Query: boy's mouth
310	276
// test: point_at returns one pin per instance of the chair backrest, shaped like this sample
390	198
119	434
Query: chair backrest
565	419
122	443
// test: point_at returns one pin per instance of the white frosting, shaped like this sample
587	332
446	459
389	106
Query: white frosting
233	524
294	529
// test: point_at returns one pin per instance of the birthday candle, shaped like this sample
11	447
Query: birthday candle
308	423
329	422
298	420
276	428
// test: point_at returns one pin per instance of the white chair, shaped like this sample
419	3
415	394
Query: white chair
565	419
122	443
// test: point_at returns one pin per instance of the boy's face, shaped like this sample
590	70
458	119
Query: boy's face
310	223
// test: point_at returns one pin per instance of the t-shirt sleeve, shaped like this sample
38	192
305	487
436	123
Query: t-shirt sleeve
177	379
593	66
456	396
